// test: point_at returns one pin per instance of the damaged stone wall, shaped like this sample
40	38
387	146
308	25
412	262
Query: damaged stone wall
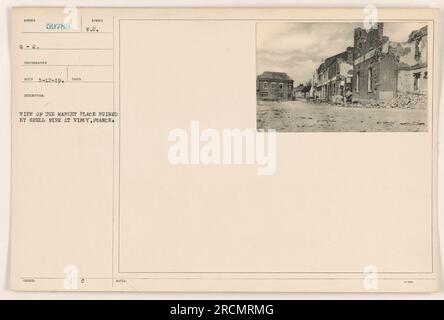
375	68
417	53
412	62
413	80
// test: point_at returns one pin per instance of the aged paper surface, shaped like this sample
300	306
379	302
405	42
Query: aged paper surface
127	175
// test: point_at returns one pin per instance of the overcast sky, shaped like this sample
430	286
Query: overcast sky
299	48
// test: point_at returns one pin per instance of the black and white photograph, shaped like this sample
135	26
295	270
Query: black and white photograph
342	77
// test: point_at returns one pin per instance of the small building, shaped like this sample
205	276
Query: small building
298	91
274	86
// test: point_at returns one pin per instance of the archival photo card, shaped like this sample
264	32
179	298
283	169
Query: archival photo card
342	77
143	160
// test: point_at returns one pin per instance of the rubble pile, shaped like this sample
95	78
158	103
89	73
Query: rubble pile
407	101
359	104
402	101
338	99
370	105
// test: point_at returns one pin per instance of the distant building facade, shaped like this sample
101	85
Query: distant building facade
314	86
298	91
333	76
274	86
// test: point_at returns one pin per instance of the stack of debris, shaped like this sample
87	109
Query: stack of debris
407	101
338	99
402	101
374	104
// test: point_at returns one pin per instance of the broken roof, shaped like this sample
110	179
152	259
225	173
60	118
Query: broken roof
330	60
417	34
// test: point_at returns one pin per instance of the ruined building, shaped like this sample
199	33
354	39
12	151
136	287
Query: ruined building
412	67
333	76
382	68
275	86
375	69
